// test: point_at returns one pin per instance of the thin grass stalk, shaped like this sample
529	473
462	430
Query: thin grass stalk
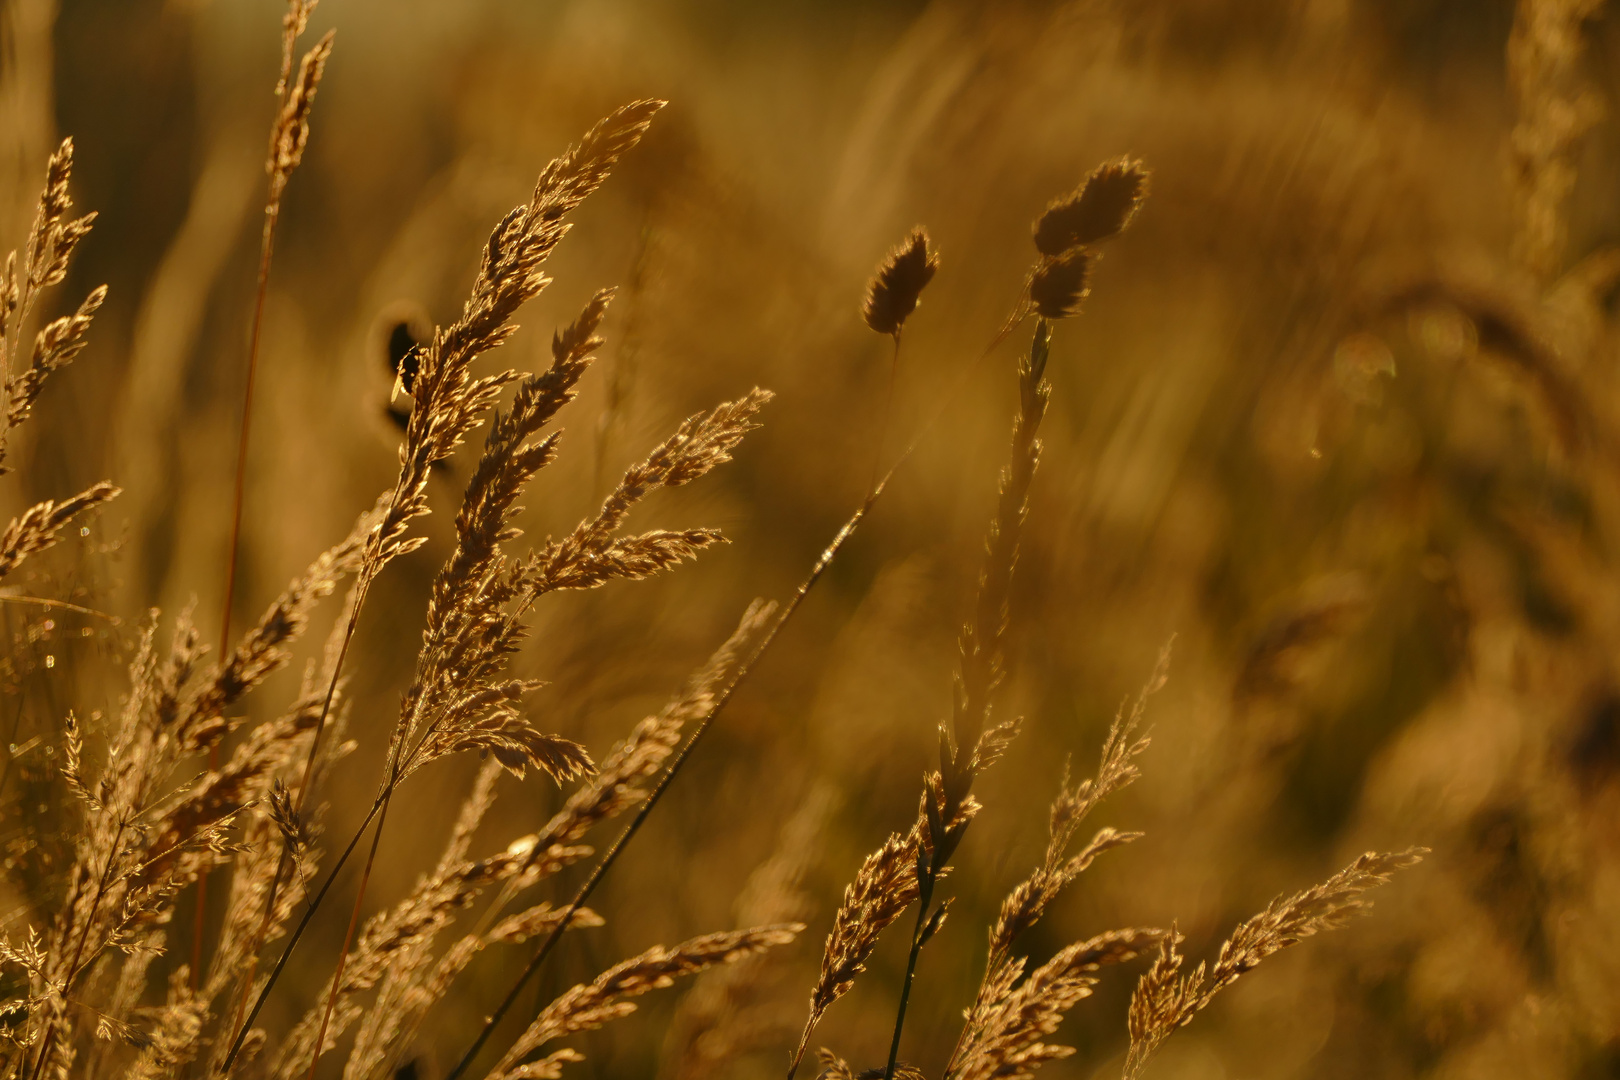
400	764
720	702
822	563
381	813
348	941
289	132
448	404
78	951
888	410
244	1025
234	547
980	667
925	896
284	860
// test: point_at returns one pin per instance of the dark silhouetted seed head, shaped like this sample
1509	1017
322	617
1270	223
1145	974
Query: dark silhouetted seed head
1060	283
1098	209
892	293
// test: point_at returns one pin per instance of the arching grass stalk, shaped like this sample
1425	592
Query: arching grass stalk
289	134
971	742
657	793
448	402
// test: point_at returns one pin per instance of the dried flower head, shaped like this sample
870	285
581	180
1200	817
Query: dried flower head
892	293
1060	283
1101	207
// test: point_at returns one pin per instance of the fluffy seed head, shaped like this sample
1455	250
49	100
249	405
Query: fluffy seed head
1061	282
1101	207
892	293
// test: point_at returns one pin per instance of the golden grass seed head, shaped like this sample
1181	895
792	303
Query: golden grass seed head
1061	282
892	294
1100	208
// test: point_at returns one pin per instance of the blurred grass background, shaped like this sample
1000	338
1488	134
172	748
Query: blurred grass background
1322	421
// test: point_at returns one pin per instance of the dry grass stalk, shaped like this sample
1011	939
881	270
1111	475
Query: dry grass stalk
259	905
1006	1037
41	525
1099	209
986	1036
460	699
590	1005
905	869
50	244
393	952
1166	1000
970	742
1117	769
146	839
715	691
884	887
891	297
414	981
289	135
413	988
448	402
617	784
594	554
457	700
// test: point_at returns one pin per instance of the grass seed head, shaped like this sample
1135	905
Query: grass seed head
892	294
1100	208
1060	283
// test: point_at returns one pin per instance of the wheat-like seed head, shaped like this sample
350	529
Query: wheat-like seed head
1005	1041
1166	1000
49	246
41	525
590	1005
290	134
884	887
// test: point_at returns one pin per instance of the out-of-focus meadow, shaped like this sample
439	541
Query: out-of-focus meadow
1339	417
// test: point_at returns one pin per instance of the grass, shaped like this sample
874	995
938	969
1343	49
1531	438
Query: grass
222	870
